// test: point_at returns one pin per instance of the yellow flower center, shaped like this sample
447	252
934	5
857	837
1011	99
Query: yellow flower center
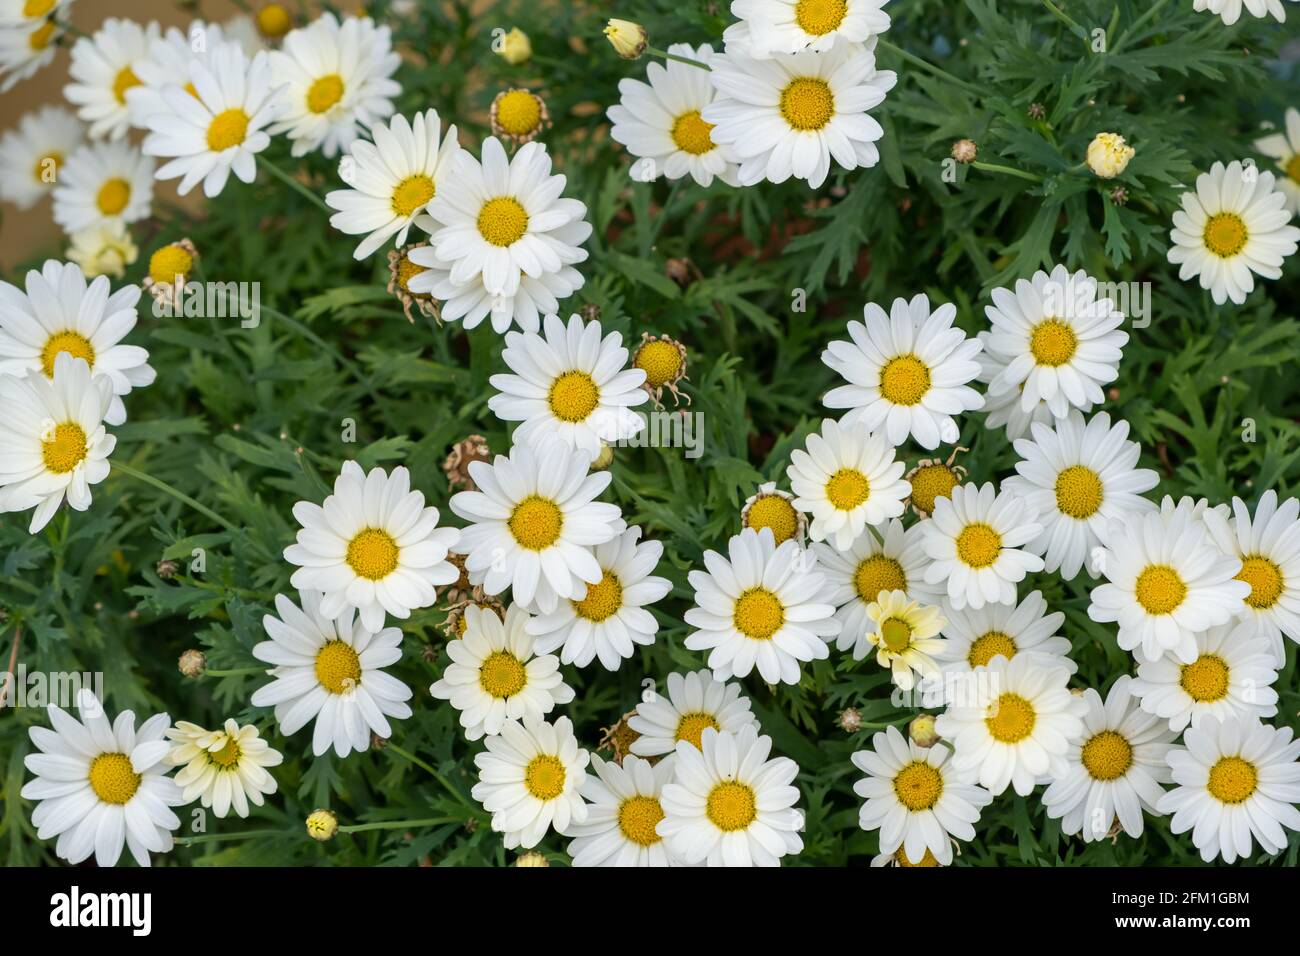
544	777
324	93
731	806
1265	580
603	599
930	483
502	221
1225	235
1205	679
536	523
878	573
660	360
37	8
112	778
40	37
927	859
978	545
1293	168
807	103
637	819
691	727
228	756
502	674
1107	756
775	512
758	614
1011	719
988	646
47	168
74	343
1078	492
373	554
896	634
124	80
412	194
904	380
113	196
337	667
406	271
227	130
519	112
573	396
691	134
1232	780
1159	589
273	21
169	262
820	17
66	450
918	786
1053	343
847	489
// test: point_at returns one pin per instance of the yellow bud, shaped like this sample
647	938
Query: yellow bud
1108	155
532	858
322	825
922	731
629	39
273	21
515	47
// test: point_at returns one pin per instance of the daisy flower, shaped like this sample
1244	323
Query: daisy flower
391	180
103	250
54	440
729	805
101	786
1233	224
330	669
494	675
60	314
769	28
906	637
168	61
25	49
1284	146
223	769
760	607
219	130
1061	342
659	121
1004	410
976	541
103	70
26	13
769	507
1230	12
534	520
915	797
1166	580
610	619
1237	781
792	115
530	780
847	479
102	182
1232	675
624	808
34	153
569	384
695	702
907	372
1115	768
1269	549
335	80
372	545
975	637
503	219
1019	731
1079	477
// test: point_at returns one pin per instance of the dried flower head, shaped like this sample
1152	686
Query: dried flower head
456	466
519	115
933	478
401	270
663	360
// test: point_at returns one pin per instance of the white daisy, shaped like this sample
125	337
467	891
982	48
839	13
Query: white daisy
335	80
372	545
99	786
103	70
54	440
729	805
623	809
791	116
1004	409
760	607
530	778
1062	342
1079	477
611	618
915	797
847	479
906	637
103	250
33	154
101	182
1166	581
391	180
975	637
26	49
330	670
1284	146
1230	10
569	384
1232	675
1115	768
659	121
695	702
976	540
495	675
167	62
1234	224
26	13
768	28
907	372
225	768
534	520
219	130
59	313
1237	783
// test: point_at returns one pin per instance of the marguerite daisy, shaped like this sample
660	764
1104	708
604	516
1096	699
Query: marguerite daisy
224	769
26	13
26	48
167	62
906	637
695	701
1230	11
1004	410
103	70
1284	147
975	637
101	182
33	154
907	372
623	811
768	28
103	250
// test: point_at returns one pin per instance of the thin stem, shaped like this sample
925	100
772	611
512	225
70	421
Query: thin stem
655	51
398	824
234	672
429	768
928	66
223	837
1140	22
13	663
1066	19
175	493
1008	171
292	183
657	226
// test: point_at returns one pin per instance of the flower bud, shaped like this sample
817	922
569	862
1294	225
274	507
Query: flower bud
629	39
1108	155
322	825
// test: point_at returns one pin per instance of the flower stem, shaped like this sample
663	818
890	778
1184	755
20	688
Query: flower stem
234	672
223	837
928	66
1008	171
398	824
292	183
655	51
430	769
175	493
